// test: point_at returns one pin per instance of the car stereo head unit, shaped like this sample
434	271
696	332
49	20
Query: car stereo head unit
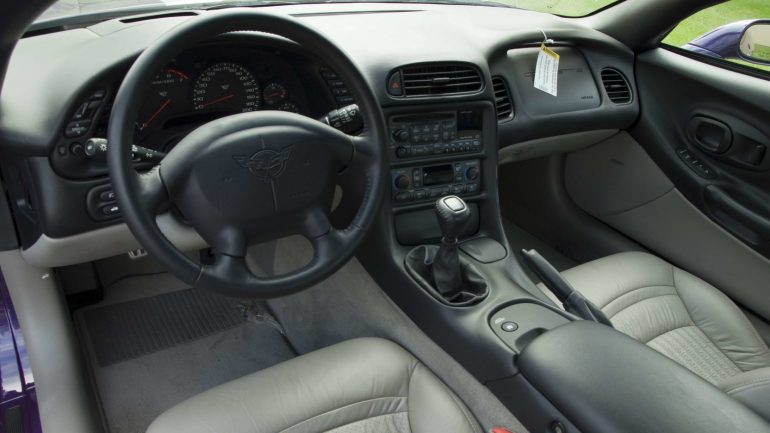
421	135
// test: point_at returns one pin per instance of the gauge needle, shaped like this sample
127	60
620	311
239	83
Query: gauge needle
218	100
156	113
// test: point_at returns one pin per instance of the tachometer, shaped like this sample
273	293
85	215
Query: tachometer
227	87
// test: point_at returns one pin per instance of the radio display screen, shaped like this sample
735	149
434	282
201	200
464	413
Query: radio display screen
437	175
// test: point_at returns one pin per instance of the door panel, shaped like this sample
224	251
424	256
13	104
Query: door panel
708	130
617	182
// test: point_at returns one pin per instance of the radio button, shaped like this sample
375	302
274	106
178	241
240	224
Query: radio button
403	196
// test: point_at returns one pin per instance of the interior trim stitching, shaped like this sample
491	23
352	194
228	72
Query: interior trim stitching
647	299
749	384
366	419
635	290
673	276
668	332
341	408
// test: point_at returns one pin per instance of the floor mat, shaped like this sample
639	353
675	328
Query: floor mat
177	345
131	329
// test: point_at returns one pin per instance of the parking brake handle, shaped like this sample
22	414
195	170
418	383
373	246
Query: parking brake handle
573	301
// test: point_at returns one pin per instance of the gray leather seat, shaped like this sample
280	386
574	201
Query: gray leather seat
683	317
366	385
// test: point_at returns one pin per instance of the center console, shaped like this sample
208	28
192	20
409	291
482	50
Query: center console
485	314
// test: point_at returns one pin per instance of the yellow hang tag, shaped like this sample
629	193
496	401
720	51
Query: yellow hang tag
547	70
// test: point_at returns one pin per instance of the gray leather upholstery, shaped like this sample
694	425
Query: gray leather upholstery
359	386
682	317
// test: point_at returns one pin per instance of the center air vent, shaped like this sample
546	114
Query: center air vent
503	104
435	80
616	86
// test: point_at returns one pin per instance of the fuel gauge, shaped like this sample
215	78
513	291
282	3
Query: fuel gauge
274	93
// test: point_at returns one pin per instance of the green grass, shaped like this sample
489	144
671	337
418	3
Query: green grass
713	17
689	29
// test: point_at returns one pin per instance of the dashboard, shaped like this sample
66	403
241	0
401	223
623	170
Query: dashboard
59	88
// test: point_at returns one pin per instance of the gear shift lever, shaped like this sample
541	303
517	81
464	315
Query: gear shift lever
453	216
439	269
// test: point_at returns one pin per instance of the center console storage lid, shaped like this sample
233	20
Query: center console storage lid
604	381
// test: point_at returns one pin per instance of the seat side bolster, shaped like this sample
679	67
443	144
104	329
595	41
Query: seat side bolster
722	322
433	407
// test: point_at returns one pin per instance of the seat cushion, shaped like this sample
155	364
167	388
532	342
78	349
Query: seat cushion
681	316
674	312
359	386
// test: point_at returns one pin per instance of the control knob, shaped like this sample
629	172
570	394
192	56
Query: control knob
402	181
401	135
472	173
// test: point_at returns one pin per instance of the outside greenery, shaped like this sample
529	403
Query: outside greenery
687	30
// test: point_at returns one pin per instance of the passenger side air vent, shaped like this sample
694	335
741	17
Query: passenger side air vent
435	80
503	103
616	86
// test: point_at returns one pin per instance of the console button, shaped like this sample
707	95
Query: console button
402	152
403	196
394	84
458	189
420	194
472	188
509	326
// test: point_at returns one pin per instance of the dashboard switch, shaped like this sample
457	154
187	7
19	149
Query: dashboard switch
77	128
110	209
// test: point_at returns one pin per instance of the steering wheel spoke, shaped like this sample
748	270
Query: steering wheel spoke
365	148
151	190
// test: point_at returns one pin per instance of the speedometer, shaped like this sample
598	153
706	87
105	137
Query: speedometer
226	87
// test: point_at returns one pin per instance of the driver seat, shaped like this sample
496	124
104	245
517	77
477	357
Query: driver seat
367	385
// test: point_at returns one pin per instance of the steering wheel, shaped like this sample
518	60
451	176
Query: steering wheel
251	176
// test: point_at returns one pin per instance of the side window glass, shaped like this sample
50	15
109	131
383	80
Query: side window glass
737	31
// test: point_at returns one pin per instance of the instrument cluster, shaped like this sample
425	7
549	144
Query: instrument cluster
211	82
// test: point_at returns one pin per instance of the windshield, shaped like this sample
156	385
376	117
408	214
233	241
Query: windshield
73	8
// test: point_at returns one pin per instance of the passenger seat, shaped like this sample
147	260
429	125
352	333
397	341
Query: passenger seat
682	317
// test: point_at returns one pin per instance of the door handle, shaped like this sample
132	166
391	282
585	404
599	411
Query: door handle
710	134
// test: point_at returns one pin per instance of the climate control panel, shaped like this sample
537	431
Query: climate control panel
428	182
